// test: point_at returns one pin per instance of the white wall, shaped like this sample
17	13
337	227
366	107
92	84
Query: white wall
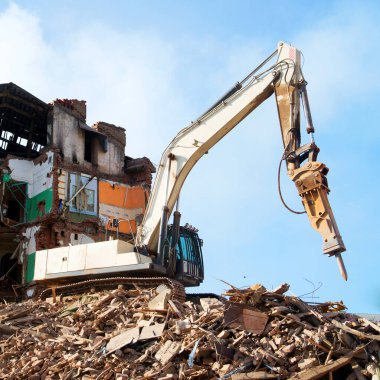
82	239
36	175
42	176
112	161
67	135
21	170
30	241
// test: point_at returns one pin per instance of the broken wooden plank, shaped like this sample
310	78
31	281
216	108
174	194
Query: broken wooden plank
369	323
254	375
15	314
318	371
283	288
151	332
8	330
175	309
355	332
121	340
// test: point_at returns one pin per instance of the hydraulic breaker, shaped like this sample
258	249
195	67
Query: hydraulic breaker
311	183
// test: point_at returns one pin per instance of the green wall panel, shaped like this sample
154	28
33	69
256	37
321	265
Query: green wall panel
32	204
30	264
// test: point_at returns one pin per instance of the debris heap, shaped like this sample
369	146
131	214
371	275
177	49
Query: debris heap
145	334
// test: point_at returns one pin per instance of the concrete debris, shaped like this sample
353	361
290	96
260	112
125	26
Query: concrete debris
254	334
160	302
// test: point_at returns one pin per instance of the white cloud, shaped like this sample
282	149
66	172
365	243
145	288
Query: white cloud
25	55
127	79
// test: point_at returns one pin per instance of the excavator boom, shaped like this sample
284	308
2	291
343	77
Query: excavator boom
286	81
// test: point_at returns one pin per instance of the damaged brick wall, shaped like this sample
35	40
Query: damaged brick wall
114	133
139	171
58	233
77	107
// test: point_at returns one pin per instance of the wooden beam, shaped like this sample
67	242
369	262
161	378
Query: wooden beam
321	370
355	332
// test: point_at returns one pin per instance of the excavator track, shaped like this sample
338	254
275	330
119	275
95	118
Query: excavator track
178	290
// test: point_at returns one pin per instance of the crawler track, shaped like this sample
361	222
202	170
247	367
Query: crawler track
178	290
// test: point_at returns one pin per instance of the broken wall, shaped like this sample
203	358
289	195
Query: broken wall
125	203
111	161
66	134
28	198
98	149
101	199
40	195
37	202
39	180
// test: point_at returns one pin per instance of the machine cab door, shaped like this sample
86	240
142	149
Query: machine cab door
189	260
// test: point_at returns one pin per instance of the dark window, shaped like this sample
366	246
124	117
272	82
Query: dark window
14	199
87	146
14	210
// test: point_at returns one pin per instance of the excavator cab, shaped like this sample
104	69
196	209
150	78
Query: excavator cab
188	256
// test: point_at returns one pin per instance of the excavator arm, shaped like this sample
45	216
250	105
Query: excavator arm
285	80
310	179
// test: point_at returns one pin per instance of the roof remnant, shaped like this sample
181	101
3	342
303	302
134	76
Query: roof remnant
23	126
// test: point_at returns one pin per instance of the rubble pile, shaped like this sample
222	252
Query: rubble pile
145	334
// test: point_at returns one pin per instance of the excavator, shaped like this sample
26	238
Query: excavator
171	253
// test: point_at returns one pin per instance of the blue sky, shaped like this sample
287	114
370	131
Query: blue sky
152	67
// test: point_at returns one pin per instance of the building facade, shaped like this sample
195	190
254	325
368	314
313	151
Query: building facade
62	181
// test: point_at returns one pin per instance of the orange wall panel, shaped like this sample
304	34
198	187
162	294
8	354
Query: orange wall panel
121	196
124	226
136	197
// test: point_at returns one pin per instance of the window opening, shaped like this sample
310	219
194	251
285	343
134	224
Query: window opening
13	201
83	194
3	144
7	135
22	141
87	146
85	200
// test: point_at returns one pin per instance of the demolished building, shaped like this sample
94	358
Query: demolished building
62	182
